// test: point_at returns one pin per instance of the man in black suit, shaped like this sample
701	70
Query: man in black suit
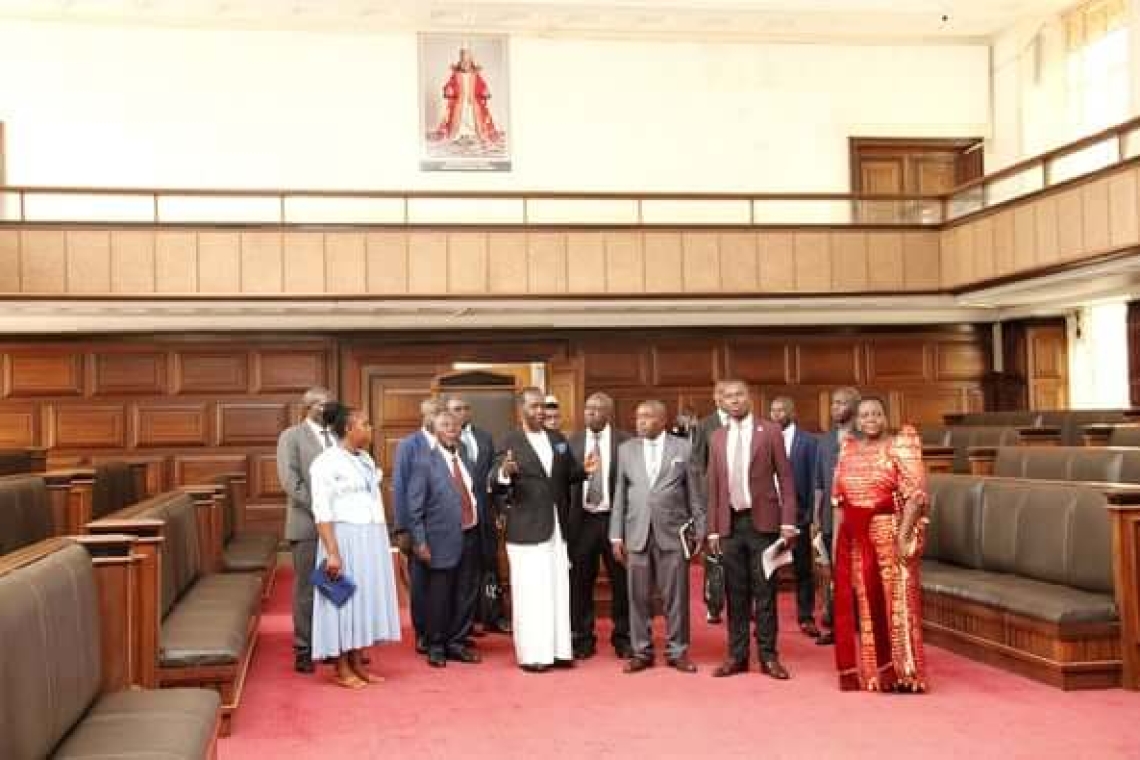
479	452
802	449
714	572
590	506
536	470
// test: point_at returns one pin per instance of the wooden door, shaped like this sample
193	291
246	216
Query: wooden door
1048	365
393	403
566	380
900	166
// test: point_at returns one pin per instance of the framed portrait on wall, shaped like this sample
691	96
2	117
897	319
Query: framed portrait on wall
465	100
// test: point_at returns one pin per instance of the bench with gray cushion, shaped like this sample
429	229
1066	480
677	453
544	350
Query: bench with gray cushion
243	550
34	507
208	620
1067	463
1070	423
116	487
962	438
59	700
22	461
1023	574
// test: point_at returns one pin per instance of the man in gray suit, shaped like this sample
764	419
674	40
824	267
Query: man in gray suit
657	492
297	447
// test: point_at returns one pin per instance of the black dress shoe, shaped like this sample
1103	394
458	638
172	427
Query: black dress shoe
712	619
563	664
809	629
421	645
437	659
303	664
826	639
534	668
476	633
775	669
730	668
637	664
499	626
463	654
683	664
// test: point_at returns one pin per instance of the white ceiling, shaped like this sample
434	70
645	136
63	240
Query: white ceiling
918	20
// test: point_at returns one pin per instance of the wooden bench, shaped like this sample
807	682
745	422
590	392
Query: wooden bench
22	461
1038	577
200	625
948	448
1067	463
67	688
1071	423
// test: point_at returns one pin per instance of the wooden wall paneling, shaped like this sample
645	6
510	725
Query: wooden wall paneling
701	262
961	361
546	262
1123	199
303	262
346	267
965	241
985	267
44	373
664	262
885	262
133	262
829	363
219	262
158	424
1048	231
777	261
72	425
9	261
925	405
899	361
616	364
1024	237
199	468
467	261
43	261
427	262
129	373
20	427
849	270
88	261
586	262
266	484
1095	217
289	370
508	269
922	261
813	261
1070	224
244	423
1003	243
387	262
262	262
761	362
949	270
739	268
625	262
700	400
176	262
211	371
684	363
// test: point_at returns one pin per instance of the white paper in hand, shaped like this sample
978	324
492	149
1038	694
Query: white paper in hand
821	551
775	556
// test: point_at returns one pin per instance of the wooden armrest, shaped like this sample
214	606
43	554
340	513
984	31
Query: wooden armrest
1097	434
32	553
1124	513
982	459
1040	436
953	419
139	526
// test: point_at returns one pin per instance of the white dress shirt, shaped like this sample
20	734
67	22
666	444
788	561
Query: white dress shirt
469	441
789	436
540	442
740	434
464	474
652	450
722	416
431	439
346	488
603	439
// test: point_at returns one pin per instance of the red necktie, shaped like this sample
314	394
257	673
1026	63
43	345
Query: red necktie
468	509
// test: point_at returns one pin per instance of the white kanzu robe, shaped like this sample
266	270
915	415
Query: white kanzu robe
540	588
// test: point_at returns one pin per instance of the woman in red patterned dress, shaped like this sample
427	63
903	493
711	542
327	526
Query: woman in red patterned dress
880	493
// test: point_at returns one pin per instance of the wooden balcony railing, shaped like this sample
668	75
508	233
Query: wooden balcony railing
277	207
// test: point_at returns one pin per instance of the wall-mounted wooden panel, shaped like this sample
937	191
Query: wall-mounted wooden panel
1094	213
87	426
885	260
160	425
777	260
1070	224
9	261
387	260
961	361
739	270
43	261
701	262
262	264
265	482
829	363
43	374
508	268
813	262
684	364
625	262
211	372
1024	237
130	374
176	262
17	428
586	262
219	262
759	362
1048	233
88	261
927	405
427	262
984	265
1003	244
467	262
303	262
898	361
621	364
664	262
546	262
345	267
289	371
199	468
132	261
849	263
922	261
1122	209
251	424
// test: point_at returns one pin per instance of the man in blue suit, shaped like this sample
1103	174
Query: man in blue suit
408	450
802	449
443	525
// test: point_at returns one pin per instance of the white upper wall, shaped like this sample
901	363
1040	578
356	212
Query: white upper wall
122	106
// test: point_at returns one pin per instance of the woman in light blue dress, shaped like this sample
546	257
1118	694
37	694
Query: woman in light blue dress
349	513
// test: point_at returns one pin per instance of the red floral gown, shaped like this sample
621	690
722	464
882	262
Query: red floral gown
878	597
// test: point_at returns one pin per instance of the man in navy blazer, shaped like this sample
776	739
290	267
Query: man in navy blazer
443	525
408	450
802	449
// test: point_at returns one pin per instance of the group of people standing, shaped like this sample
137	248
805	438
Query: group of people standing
851	503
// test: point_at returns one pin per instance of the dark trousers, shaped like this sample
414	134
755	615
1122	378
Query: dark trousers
449	603
714	585
803	562
828	588
748	589
489	608
417	595
304	560
590	543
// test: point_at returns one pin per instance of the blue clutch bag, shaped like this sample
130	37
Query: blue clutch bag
338	592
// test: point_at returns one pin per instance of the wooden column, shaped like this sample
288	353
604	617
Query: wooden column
208	505
114	560
1126	580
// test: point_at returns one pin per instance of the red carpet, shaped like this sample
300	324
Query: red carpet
494	710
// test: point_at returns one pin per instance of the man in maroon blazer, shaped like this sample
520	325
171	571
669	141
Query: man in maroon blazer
747	513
